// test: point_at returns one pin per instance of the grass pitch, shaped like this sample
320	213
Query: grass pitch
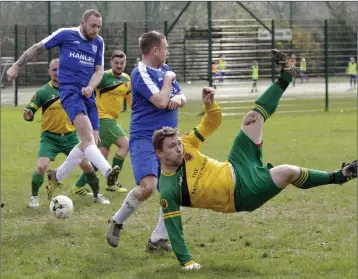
298	234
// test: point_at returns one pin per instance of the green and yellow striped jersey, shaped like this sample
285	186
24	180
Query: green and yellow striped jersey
54	118
110	94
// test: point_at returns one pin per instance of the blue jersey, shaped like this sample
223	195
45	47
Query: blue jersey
78	56
146	117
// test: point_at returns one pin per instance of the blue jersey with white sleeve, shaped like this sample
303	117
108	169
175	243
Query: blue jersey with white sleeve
78	56
146	117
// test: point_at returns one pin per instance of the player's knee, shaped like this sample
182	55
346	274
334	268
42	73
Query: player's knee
86	166
147	186
41	168
291	172
252	117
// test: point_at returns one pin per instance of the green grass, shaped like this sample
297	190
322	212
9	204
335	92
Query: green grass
298	234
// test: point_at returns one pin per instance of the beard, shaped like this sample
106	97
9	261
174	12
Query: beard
88	35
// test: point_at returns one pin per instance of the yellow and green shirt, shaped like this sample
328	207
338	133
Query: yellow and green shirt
352	68
255	72
54	118
201	182
110	94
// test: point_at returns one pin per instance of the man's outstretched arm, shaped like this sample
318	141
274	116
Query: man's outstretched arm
27	56
210	121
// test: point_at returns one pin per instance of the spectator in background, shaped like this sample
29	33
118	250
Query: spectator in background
303	70
293	61
351	71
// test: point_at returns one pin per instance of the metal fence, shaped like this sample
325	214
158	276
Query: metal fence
325	45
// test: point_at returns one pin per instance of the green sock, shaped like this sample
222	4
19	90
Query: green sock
36	182
313	178
82	181
93	182
267	103
117	161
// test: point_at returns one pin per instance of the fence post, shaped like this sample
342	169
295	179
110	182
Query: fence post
166	28
273	65
184	55
49	58
125	44
16	54
210	37
326	61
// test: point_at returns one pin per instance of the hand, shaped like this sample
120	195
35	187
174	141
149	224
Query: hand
87	91
12	72
193	266
174	103
97	139
171	75
28	114
207	95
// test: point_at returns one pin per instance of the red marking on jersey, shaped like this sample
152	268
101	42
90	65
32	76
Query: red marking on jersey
259	144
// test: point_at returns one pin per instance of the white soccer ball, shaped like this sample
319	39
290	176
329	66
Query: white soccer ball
61	206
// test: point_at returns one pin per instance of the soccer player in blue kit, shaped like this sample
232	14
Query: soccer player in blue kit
80	71
156	99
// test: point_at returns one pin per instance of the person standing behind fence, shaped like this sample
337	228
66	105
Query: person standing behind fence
214	72
254	76
352	72
293	61
156	99
222	68
80	71
303	70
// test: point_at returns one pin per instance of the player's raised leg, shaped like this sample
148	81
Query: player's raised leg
303	178
267	103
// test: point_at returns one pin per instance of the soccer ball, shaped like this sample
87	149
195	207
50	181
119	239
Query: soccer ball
61	206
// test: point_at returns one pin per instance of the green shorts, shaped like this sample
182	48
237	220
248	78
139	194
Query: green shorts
254	185
52	144
109	132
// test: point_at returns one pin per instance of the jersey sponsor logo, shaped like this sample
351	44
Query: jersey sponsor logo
94	48
164	203
83	58
188	157
200	173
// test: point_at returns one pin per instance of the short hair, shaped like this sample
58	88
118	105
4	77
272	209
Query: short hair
118	53
160	135
149	40
90	12
52	62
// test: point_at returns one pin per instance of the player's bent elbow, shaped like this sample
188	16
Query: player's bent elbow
159	102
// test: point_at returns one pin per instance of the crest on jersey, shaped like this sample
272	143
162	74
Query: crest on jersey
188	157
94	48
33	97
163	203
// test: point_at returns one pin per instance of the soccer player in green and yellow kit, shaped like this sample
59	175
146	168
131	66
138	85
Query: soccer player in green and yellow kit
241	183
114	88
58	136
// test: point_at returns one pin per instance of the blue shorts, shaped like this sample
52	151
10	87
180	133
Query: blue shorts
144	160
74	103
